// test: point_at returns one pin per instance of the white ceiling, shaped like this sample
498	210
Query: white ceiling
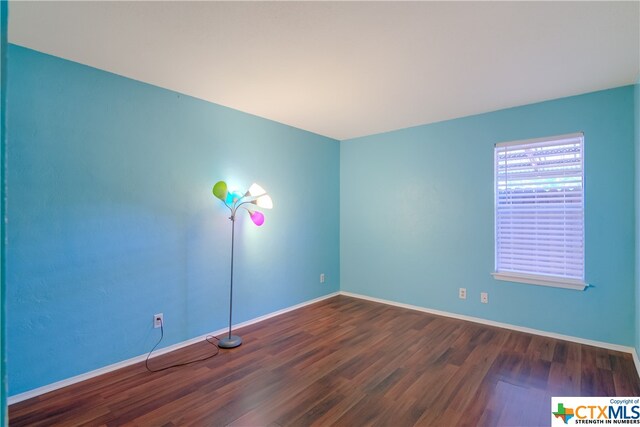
347	69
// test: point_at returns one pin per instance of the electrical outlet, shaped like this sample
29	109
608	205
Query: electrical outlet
484	298
462	293
321	277
158	320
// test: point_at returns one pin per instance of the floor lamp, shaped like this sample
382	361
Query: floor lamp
234	200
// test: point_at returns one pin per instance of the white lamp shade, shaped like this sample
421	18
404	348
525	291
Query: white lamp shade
265	202
256	190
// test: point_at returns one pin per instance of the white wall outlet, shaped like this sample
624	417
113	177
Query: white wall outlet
484	298
158	320
462	293
321	277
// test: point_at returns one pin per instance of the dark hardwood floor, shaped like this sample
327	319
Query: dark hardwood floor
347	362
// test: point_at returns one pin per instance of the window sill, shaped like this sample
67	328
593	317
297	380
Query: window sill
576	285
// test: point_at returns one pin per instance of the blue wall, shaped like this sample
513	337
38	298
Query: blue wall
637	234
416	217
3	115
111	217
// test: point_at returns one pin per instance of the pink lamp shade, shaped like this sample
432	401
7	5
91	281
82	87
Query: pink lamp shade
257	217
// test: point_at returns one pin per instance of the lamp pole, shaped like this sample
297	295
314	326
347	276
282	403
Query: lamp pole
233	228
231	341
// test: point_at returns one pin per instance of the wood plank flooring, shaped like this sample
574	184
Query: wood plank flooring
347	362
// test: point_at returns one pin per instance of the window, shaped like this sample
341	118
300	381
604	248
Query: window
539	211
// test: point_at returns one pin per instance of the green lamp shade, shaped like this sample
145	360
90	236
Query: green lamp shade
220	190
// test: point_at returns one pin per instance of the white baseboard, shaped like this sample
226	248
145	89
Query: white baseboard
82	377
578	340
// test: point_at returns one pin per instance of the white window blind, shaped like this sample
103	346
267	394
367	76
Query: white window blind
539	211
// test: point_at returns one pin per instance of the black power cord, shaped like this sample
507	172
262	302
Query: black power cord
208	339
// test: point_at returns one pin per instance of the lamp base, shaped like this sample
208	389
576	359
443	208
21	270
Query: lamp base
230	341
